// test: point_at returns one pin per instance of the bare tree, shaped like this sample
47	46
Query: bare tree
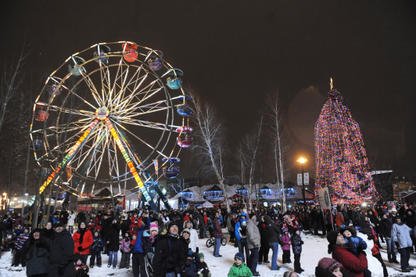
10	83
251	144
274	113
211	135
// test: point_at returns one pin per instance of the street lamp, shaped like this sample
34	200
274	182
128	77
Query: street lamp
302	162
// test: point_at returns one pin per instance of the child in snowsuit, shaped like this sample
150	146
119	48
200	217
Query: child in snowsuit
239	268
125	251
19	248
96	249
297	250
202	267
285	242
354	243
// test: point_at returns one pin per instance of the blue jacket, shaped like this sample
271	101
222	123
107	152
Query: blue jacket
239	232
138	246
401	233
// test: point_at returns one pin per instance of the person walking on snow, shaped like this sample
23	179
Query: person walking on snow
253	243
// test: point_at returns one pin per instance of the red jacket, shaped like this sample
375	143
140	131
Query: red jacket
355	265
87	241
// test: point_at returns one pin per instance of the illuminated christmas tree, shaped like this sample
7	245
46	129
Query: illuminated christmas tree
341	159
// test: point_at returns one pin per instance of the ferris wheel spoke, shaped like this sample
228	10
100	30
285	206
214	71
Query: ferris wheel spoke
121	88
118	85
149	124
92	88
141	112
141	140
135	92
113	161
105	79
93	164
71	111
79	97
118	75
129	107
86	150
134	79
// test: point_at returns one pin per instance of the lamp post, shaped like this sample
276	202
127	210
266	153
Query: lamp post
302	162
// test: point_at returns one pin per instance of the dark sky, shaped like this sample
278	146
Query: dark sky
235	52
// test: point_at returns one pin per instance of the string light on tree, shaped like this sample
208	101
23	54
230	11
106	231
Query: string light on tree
341	159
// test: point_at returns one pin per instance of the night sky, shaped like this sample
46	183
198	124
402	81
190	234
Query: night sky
234	53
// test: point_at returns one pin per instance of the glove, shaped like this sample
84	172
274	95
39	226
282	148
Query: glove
79	248
397	244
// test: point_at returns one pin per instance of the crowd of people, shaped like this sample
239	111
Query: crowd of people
165	243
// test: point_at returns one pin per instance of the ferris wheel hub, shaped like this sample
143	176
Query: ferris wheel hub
102	113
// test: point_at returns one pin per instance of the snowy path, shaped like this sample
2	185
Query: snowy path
314	249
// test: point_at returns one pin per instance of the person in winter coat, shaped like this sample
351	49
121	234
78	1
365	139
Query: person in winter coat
240	232
190	268
375	250
37	255
297	242
96	249
354	265
71	222
253	243
239	268
19	248
83	240
139	252
48	233
193	239
170	253
125	251
354	243
202	267
264	243
112	244
62	254
400	234
285	241
386	226
149	243
328	267
217	234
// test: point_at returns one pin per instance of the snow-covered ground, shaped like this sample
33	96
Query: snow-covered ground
314	249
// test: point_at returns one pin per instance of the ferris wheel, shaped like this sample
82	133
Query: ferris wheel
110	114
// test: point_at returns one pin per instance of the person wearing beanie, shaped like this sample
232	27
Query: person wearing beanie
125	251
170	253
203	270
154	227
193	239
240	232
61	258
239	268
328	267
354	265
354	243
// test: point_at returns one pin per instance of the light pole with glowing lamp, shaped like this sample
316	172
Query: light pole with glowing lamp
302	162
